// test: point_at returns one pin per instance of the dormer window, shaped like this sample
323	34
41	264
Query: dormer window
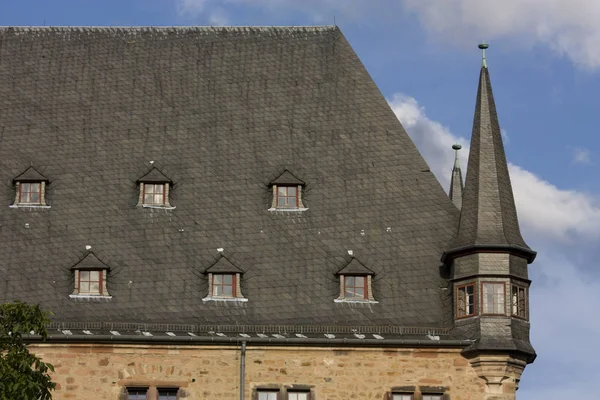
287	197
355	287
224	281
465	300
355	283
90	276
287	193
30	188
154	194
154	190
223	285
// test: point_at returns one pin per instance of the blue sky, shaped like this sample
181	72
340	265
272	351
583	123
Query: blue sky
544	61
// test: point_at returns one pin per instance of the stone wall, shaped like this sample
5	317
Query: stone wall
87	371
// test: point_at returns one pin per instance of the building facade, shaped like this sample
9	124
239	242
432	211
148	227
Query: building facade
236	213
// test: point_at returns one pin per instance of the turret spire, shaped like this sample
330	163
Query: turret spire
483	46
456	183
489	216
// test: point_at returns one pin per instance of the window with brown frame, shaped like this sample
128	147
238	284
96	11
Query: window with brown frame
223	285
402	396
154	194
519	301
90	282
167	393
137	393
493	298
287	197
267	394
465	300
355	287
298	395
30	193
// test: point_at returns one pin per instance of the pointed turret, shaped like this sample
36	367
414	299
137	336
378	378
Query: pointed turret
489	216
456	183
488	258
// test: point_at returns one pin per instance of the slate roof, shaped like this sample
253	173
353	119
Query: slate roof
220	111
489	215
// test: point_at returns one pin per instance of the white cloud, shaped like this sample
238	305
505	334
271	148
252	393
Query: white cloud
581	156
319	11
219	17
192	8
568	27
544	209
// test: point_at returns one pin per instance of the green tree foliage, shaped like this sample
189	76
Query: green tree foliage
23	376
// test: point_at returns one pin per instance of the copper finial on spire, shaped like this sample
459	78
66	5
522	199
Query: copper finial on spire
483	46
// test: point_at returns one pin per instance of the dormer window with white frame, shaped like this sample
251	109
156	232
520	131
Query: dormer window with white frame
224	281
355	283
287	193
89	278
30	189
154	190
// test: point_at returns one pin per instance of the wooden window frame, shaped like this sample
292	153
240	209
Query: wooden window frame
164	193
525	301
474	285
276	391
365	287
40	187
483	296
286	187
100	284
233	286
295	391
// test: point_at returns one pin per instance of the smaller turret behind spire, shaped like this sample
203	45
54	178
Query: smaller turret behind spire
456	183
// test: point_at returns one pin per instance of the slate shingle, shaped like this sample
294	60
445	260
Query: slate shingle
218	110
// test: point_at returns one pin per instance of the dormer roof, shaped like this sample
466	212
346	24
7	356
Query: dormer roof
31	175
287	178
223	266
355	267
90	262
154	176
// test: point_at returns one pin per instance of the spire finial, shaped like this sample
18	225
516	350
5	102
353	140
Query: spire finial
483	46
456	147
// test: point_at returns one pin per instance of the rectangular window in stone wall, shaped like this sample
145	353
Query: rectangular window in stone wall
298	396
400	396
432	397
493	294
268	394
137	393
167	393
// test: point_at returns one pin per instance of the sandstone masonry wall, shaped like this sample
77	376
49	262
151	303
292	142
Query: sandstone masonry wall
212	372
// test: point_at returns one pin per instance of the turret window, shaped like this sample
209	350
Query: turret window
493	295
465	300
519	301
